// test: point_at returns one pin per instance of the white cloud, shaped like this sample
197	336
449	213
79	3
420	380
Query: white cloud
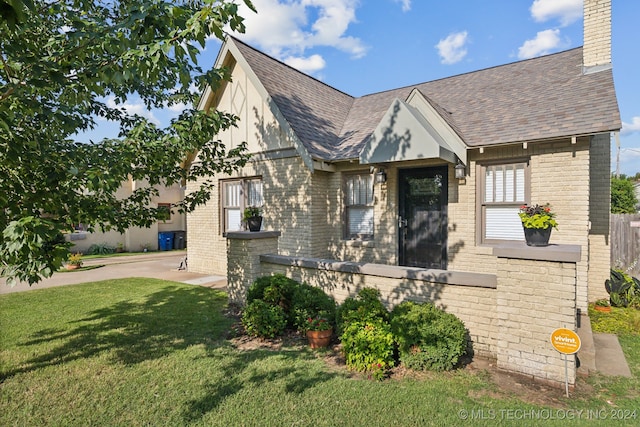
452	49
309	65
287	29
406	4
134	108
567	11
543	44
628	128
178	107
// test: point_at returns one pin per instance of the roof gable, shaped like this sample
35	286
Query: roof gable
314	110
541	98
413	130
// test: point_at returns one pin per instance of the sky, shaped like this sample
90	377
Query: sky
367	46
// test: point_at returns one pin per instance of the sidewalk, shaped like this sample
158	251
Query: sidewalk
157	265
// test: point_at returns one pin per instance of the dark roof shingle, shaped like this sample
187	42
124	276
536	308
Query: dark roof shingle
540	98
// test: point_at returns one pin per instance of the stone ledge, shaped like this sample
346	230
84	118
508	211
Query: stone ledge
392	271
556	253
250	235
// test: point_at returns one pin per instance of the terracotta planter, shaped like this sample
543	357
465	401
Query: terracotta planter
537	236
319	339
603	308
72	266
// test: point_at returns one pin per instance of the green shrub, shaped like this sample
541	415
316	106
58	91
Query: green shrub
263	320
624	290
311	302
366	306
427	337
368	346
276	290
101	249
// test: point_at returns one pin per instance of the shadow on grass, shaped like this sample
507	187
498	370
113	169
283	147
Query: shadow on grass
147	327
248	370
131	332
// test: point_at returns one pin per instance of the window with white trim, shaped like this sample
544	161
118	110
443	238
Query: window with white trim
358	202
237	195
505	188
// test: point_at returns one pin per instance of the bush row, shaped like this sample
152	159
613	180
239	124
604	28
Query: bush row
418	335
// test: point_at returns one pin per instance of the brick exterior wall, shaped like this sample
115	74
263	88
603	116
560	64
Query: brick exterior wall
509	316
243	267
475	306
288	207
533	299
308	209
599	215
597	32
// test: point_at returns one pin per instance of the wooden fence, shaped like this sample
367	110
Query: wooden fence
625	243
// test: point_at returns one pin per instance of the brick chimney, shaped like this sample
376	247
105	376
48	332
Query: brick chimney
596	52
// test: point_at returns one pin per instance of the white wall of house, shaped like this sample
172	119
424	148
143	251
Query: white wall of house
135	238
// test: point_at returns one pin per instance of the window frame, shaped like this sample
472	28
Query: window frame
243	200
481	219
346	234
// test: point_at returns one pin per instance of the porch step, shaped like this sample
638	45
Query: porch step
610	358
600	352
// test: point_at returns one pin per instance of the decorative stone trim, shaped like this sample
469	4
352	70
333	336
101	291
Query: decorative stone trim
250	235
554	253
392	271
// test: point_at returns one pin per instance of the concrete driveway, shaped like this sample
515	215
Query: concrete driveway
157	265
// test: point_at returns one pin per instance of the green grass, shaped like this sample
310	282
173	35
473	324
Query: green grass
151	352
621	321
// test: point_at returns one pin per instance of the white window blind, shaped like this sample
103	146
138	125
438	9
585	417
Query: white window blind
504	193
236	196
359	205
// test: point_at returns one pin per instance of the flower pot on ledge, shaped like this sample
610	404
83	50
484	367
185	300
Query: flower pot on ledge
254	223
537	236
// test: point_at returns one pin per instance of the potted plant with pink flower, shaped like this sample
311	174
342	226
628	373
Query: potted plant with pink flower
537	221
319	331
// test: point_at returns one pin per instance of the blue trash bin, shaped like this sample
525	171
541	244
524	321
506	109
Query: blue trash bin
165	241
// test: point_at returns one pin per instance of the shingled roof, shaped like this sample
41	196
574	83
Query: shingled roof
531	100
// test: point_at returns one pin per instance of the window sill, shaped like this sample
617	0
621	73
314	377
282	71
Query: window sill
359	243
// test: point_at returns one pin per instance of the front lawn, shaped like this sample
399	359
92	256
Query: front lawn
152	352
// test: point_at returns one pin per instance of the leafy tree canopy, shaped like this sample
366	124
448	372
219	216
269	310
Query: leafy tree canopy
59	63
623	197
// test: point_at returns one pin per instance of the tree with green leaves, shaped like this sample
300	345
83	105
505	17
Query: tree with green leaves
623	197
60	61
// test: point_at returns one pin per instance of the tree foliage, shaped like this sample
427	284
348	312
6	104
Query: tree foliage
60	63
623	197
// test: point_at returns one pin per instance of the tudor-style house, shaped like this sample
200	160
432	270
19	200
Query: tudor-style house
430	175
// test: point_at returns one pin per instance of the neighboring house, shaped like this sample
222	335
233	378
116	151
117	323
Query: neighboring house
373	178
636	189
136	238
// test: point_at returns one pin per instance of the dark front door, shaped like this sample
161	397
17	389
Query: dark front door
423	217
